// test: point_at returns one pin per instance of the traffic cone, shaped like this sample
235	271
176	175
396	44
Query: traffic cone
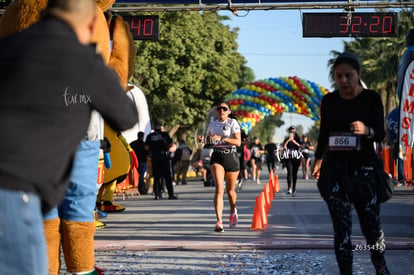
268	191
257	218
271	177
268	201
263	212
271	191
277	186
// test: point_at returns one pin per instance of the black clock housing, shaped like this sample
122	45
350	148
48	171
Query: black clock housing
355	24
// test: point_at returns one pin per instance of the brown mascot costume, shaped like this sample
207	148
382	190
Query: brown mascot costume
123	158
76	238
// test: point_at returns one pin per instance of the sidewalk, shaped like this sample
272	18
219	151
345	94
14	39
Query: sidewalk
177	237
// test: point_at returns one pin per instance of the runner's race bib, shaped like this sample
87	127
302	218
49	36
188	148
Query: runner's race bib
345	141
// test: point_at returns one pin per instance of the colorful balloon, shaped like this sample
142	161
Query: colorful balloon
272	96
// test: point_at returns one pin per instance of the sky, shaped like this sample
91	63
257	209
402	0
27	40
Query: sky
273	45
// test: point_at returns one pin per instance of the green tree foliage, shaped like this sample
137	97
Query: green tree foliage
266	127
380	58
194	64
313	134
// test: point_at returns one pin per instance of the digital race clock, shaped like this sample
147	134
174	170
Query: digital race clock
376	24
142	27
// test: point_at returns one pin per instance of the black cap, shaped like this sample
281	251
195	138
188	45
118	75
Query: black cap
349	58
291	128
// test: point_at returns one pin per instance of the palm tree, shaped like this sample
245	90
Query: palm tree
379	60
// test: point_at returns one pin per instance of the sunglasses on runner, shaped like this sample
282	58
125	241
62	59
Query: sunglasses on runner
222	108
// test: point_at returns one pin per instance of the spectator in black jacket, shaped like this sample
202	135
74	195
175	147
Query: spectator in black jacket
158	143
139	148
50	81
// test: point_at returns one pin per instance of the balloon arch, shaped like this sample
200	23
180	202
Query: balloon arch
263	98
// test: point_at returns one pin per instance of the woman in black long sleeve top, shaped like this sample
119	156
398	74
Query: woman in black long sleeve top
352	119
293	158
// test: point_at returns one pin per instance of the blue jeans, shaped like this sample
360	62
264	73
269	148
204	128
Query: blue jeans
22	241
80	199
400	167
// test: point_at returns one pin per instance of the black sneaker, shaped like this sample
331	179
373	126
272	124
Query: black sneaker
172	198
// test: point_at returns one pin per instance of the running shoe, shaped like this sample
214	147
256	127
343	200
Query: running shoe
233	219
219	227
239	185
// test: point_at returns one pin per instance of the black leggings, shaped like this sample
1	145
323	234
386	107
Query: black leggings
271	163
292	166
363	197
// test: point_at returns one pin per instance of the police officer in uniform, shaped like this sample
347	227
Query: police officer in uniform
158	143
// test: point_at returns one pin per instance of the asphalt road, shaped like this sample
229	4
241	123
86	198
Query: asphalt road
177	237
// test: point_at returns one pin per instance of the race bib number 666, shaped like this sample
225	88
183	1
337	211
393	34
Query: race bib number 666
343	142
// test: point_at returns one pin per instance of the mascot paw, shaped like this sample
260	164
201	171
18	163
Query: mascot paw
99	225
109	207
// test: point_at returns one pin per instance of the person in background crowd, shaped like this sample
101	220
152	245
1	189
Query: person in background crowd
270	149
306	146
346	175
159	143
224	134
183	155
291	145
246	156
397	155
256	152
139	148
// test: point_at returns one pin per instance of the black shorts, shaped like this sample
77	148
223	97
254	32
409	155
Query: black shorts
258	162
229	161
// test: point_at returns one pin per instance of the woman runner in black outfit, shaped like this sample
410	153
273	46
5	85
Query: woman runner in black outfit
352	119
292	160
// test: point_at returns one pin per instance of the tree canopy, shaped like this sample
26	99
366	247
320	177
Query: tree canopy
194	64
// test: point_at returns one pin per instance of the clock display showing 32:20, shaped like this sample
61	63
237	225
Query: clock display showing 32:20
350	25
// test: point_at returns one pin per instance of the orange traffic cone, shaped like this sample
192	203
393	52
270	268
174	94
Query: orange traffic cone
277	186
257	218
271	177
268	201
268	190
263	212
272	191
